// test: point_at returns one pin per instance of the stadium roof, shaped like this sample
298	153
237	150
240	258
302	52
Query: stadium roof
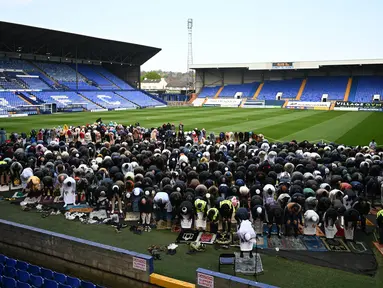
17	38
288	65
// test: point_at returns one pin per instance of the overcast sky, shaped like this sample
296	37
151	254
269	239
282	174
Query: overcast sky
224	31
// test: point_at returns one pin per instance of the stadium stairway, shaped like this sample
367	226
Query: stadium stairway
301	89
27	99
353	89
45	75
126	99
348	89
122	97
218	92
259	89
86	98
192	98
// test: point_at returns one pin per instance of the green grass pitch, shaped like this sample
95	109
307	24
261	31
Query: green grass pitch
351	128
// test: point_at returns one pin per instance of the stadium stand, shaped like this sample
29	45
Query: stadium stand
8	83
9	102
139	98
247	89
208	91
65	76
112	78
108	100
15	273
335	87
16	64
289	88
92	75
64	98
365	87
34	83
50	82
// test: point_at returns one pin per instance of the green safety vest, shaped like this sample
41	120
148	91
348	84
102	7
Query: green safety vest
380	213
228	202
199	201
216	213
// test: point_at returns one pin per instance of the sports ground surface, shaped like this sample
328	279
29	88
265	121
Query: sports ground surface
349	128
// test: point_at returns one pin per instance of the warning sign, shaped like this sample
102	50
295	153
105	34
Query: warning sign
139	264
204	280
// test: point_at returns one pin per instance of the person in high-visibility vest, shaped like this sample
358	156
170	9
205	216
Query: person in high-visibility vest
226	211
201	209
379	223
213	218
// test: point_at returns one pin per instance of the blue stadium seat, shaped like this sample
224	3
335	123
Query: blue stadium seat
59	277
73	282
3	259
9	282
10	262
10	272
46	273
64	286
23	285
85	284
50	284
35	270
37	281
21	265
208	91
23	276
1	269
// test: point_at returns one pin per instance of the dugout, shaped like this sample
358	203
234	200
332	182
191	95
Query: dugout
220	74
39	44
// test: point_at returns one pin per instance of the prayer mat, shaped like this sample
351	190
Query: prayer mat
162	225
274	242
295	243
132	216
274	230
379	247
206	238
176	228
69	207
313	243
261	242
187	236
81	210
320	232
224	238
246	265
358	247
335	245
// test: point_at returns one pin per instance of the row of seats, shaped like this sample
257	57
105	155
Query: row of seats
139	98
35	83
362	89
335	87
7	83
112	78
19	274
365	88
208	91
64	98
108	100
247	90
60	72
96	77
288	88
16	64
8	101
